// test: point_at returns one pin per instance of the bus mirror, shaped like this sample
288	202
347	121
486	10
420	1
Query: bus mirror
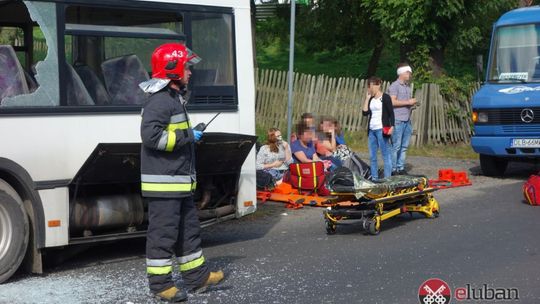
479	67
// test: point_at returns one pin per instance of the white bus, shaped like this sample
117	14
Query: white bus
70	117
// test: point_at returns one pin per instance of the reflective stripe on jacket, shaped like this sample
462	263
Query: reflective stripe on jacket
167	151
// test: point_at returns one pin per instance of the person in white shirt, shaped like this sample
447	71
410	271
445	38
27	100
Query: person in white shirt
378	107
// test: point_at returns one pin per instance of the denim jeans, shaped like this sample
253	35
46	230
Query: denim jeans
276	174
336	162
400	142
376	140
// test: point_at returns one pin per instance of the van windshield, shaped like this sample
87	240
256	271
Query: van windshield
515	54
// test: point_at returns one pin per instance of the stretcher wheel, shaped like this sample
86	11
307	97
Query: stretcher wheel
434	214
371	227
330	227
435	209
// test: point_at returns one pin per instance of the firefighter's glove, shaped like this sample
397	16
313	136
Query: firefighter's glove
197	135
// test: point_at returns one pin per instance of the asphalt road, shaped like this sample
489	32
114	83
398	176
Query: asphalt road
486	235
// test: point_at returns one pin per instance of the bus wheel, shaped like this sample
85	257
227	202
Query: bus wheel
14	231
492	165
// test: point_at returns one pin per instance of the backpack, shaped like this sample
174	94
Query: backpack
531	190
358	166
341	180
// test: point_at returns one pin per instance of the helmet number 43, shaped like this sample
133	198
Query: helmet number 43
177	54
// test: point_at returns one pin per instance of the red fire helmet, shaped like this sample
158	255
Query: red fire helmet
169	60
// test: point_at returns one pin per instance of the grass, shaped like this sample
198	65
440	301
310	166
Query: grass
261	133
357	141
274	54
334	64
458	151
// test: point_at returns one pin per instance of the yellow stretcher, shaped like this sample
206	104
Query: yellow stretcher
381	202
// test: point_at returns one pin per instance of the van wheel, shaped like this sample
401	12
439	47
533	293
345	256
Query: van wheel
492	165
14	231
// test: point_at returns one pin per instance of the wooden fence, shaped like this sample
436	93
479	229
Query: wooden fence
435	120
266	10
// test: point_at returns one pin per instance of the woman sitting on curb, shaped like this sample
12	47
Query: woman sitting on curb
303	149
326	145
274	157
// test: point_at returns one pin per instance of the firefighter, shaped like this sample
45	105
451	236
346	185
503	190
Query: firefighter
168	178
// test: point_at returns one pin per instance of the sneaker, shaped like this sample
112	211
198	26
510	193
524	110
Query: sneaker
213	279
172	295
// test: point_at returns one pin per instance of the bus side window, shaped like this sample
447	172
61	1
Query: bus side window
16	76
212	40
110	49
12	79
33	71
213	82
122	76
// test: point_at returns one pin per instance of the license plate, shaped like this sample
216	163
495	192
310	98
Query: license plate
525	143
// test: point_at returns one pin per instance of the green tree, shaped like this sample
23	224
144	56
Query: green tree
340	26
426	29
330	24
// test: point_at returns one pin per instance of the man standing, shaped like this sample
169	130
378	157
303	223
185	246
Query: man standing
168	178
401	93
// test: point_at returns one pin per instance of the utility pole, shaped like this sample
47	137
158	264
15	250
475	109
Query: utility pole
291	71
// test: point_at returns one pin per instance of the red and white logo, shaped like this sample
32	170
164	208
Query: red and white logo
434	291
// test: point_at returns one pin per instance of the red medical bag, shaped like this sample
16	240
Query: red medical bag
307	176
531	190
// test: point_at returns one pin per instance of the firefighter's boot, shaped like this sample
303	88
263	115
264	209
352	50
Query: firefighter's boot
172	295
214	278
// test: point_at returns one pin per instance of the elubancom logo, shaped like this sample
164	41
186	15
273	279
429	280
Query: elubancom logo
437	291
486	293
434	291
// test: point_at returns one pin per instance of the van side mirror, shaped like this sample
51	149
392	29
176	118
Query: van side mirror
479	67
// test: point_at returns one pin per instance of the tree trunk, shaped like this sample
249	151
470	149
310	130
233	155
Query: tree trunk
404	52
436	61
375	56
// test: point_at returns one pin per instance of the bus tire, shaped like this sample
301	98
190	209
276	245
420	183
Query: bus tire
14	233
493	165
